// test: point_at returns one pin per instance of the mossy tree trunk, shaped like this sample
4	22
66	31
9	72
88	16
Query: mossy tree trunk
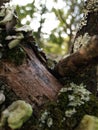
27	77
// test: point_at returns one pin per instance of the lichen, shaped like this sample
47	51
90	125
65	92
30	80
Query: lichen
81	41
10	47
83	21
8	14
2	97
77	95
13	43
50	122
90	6
16	114
74	101
88	122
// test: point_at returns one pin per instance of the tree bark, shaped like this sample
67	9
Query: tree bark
76	62
23	73
31	81
83	57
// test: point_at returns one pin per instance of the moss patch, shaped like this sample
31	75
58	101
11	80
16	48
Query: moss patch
16	55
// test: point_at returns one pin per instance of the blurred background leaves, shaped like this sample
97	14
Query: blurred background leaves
54	23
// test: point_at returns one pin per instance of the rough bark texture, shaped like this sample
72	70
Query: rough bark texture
76	62
30	81
23	73
83	59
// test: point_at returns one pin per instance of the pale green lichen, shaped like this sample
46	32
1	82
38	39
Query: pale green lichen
2	12
81	41
16	114
8	13
10	44
15	41
88	122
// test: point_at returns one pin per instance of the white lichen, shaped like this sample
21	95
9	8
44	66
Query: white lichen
65	89
24	28
90	6
81	41
83	21
44	116
46	119
70	112
49	122
77	95
2	97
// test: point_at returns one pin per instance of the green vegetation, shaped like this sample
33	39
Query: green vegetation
74	102
58	41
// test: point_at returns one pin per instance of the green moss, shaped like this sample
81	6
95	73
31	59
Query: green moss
16	55
56	110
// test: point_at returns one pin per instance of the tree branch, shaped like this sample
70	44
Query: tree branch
86	56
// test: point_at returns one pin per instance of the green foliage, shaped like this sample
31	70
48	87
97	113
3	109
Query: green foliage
23	11
68	17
